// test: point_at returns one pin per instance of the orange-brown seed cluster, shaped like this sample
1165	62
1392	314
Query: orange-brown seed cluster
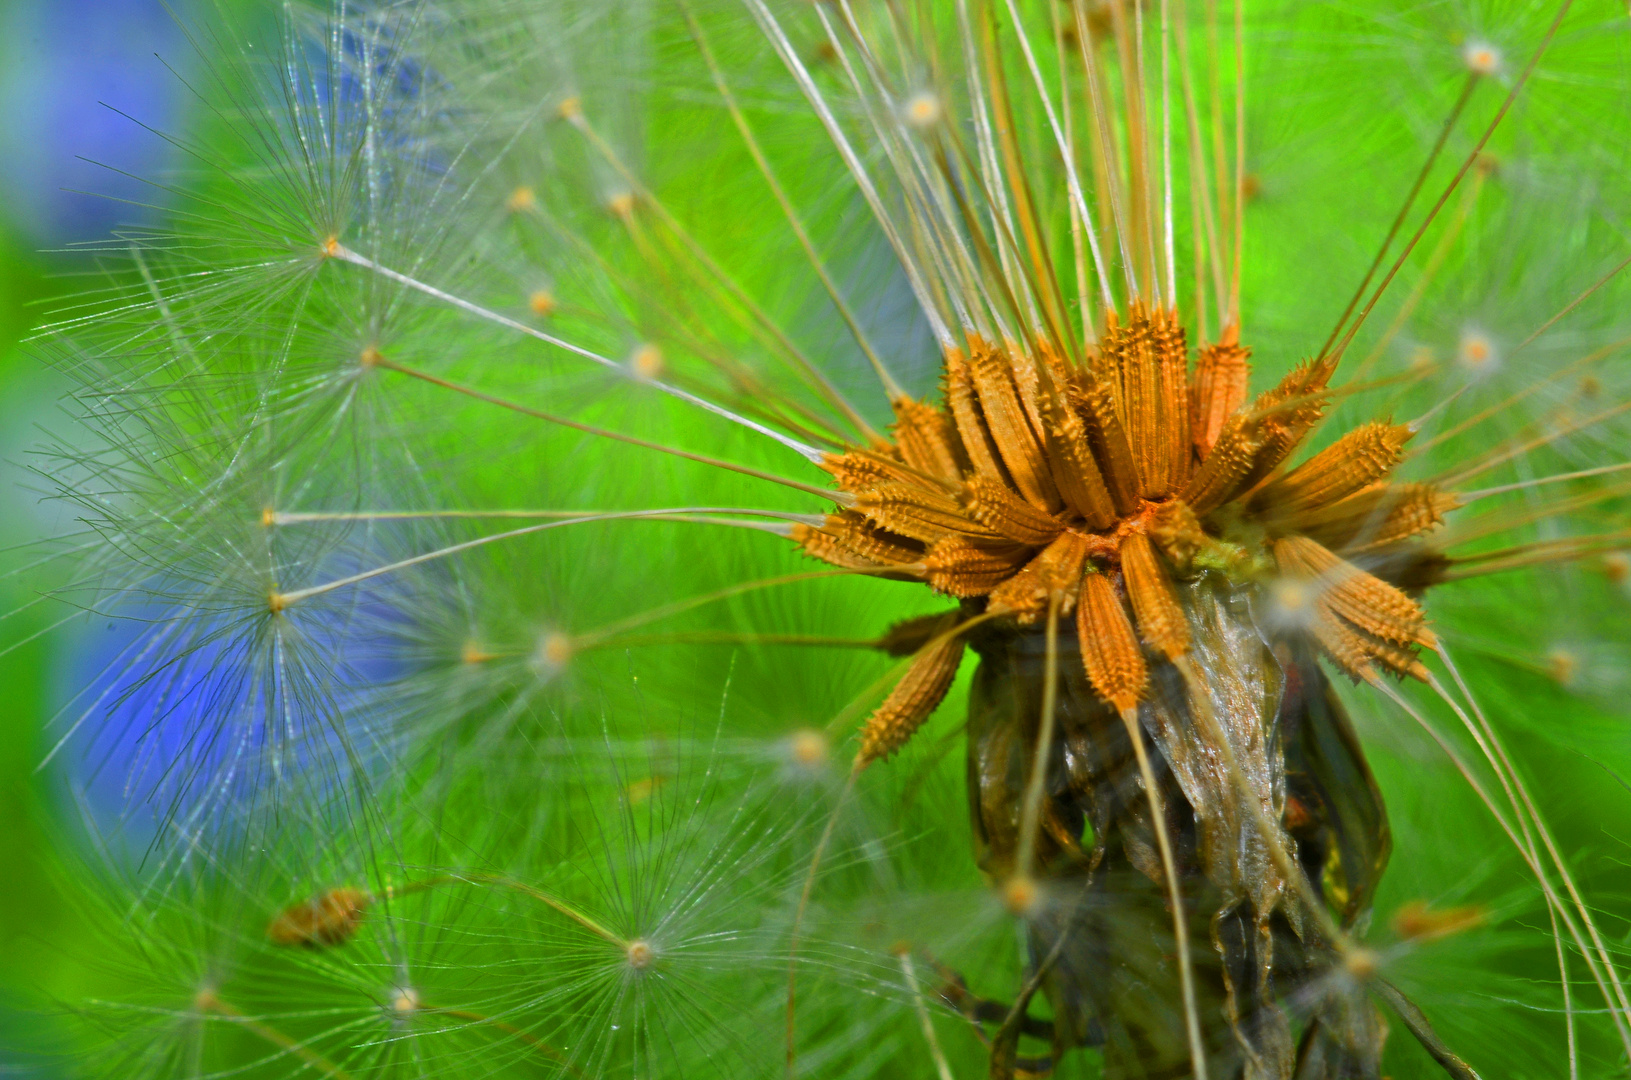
1087	487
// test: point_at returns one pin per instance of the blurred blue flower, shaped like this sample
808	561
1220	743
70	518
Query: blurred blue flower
76	76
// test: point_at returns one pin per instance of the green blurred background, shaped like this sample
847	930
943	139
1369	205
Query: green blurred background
78	80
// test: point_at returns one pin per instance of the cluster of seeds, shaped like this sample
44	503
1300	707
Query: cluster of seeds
1045	485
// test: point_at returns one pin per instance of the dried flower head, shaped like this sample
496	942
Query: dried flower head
510	363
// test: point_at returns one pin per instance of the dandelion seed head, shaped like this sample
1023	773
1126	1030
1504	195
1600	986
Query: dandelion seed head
1617	567
688	868
1481	58
922	109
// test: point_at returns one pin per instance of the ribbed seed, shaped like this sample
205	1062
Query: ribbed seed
1129	363
849	539
1218	391
330	918
1161	619
1010	428
922	688
1110	652
1286	414
927	439
1363	599
1358	459
1223	474
965	413
1028	384
914	512
1007	515
1070	454
1172	358
909	635
1057	569
960	567
1356	652
1095	404
1175	529
1379	515
859	470
1344	646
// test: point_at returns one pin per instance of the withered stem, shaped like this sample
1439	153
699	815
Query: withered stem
1169	867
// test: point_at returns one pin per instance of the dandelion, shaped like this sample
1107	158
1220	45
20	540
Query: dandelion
949	321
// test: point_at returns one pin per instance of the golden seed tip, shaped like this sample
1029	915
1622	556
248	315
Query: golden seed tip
556	650
1477	351
1021	895
641	954
331	247
370	357
1361	963
268	517
405	999
473	653
541	302
521	199
1415	922
922	109
1292	597
570	108
808	748
621	204
1617	567
276	602
1562	665
1481	58
638	791
647	361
